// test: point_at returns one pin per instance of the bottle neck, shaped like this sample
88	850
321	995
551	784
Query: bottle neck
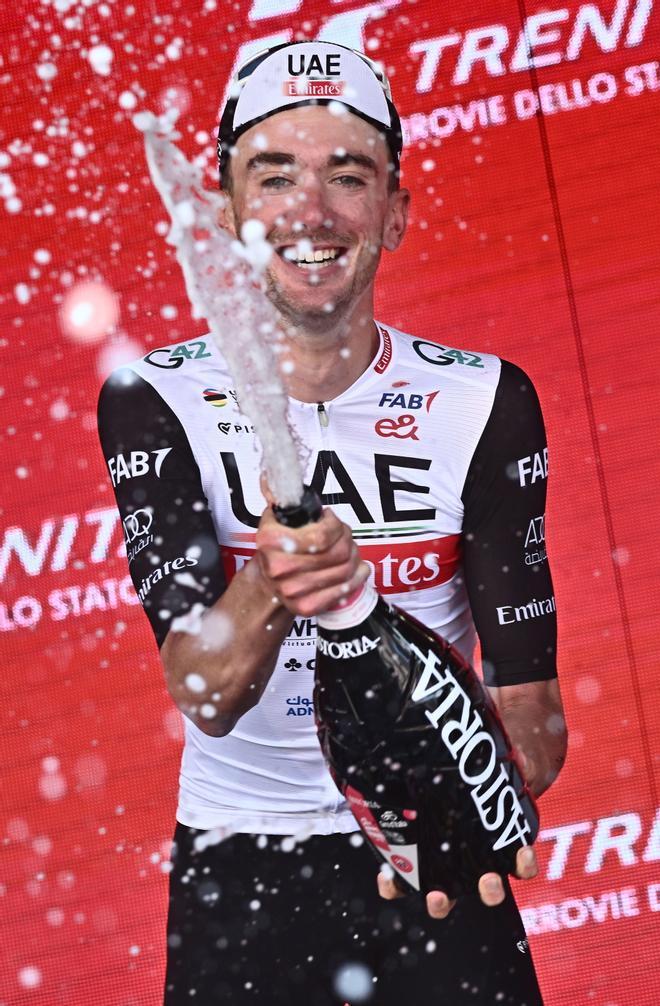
351	610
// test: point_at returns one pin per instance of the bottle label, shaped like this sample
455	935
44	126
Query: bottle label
379	824
352	611
474	751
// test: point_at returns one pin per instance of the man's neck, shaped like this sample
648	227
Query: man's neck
328	362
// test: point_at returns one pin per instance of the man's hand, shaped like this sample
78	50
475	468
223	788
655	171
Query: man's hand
310	568
491	888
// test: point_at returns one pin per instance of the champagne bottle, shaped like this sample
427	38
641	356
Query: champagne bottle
415	744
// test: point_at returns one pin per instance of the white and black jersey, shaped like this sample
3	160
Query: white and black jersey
437	459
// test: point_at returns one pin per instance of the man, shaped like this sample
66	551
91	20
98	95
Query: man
434	460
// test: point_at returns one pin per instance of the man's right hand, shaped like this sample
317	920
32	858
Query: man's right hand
309	568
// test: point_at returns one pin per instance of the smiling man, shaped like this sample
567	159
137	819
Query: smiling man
432	466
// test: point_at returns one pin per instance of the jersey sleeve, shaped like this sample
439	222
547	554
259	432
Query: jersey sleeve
506	570
172	548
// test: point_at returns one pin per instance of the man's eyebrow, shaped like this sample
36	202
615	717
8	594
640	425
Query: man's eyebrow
344	160
270	158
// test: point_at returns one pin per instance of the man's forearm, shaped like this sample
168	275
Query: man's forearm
218	670
534	720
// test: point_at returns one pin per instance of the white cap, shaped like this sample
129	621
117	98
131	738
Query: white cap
308	73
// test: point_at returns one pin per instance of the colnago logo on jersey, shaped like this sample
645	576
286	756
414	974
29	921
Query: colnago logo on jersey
473	750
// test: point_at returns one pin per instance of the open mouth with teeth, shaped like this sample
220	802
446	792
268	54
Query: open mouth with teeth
313	258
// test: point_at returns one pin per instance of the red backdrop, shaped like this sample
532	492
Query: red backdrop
533	236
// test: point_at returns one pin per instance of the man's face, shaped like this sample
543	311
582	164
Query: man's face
320	183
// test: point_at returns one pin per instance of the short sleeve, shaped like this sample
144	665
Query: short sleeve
171	544
506	568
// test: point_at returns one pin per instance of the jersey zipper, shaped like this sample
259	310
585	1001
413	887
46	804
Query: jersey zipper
324	419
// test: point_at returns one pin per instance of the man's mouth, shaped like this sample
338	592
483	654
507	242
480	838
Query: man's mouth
312	257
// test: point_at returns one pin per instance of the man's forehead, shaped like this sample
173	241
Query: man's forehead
312	130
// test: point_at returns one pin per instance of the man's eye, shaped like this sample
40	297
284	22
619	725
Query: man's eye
350	181
276	182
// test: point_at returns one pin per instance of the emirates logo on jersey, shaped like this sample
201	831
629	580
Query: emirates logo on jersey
396	568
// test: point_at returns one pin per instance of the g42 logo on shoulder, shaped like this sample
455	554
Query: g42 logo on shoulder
431	352
168	359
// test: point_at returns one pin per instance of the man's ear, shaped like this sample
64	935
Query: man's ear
397	219
226	217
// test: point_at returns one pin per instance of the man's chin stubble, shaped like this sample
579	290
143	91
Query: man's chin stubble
309	319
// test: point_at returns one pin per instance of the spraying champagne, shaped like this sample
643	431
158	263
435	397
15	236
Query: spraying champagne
415	743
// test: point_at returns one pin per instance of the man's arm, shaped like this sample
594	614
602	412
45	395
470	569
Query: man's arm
219	643
508	577
175	563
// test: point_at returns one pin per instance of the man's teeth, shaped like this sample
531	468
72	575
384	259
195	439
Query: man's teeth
311	256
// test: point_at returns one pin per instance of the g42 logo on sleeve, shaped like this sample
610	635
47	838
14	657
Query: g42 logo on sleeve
431	352
168	359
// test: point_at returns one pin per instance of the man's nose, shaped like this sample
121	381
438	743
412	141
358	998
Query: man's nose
312	209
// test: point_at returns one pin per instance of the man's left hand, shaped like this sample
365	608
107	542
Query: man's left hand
491	887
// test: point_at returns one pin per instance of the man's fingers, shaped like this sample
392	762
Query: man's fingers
438	905
491	889
526	864
387	888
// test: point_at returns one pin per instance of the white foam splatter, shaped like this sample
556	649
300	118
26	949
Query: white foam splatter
100	58
224	283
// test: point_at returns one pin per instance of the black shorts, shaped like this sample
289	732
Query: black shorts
250	923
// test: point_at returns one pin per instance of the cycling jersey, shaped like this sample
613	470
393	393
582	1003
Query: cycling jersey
436	458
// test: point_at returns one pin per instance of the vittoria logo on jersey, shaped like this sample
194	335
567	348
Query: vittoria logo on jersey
403	427
508	613
135	464
473	750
